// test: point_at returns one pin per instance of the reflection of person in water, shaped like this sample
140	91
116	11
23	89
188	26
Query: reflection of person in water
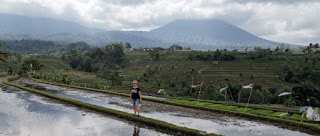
136	131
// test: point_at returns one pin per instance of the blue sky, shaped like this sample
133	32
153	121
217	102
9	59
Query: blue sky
292	21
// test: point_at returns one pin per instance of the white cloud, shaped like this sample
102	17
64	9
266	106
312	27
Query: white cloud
279	20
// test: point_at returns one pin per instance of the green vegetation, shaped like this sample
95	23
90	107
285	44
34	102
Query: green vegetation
29	66
32	46
229	107
244	109
172	70
148	121
284	114
253	110
298	116
264	112
97	59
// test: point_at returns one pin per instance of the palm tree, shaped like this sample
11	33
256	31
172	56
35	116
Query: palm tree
116	79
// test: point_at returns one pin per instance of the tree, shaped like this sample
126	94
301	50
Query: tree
155	55
30	65
304	91
105	74
287	50
175	47
32	46
79	46
127	45
74	59
114	55
217	55
86	64
210	93
116	79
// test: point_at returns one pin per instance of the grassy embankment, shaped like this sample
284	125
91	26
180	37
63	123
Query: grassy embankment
148	121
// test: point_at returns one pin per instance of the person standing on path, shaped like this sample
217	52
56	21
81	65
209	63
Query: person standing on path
135	97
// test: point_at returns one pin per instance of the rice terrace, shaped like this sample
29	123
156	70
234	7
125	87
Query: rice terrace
159	67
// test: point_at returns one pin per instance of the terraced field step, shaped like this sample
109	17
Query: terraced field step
292	116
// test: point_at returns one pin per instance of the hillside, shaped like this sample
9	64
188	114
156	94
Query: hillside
176	71
23	24
197	34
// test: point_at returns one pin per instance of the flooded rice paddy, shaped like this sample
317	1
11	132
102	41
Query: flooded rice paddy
196	119
26	114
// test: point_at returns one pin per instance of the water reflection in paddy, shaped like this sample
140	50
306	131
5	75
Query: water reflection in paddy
211	122
22	113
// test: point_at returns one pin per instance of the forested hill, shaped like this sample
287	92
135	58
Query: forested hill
31	46
23	24
40	46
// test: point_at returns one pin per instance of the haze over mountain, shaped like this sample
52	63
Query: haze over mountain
197	34
23	24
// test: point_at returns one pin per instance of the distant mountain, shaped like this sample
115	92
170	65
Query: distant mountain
23	24
207	30
197	34
208	34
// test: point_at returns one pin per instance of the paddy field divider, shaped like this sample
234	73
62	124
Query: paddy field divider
176	130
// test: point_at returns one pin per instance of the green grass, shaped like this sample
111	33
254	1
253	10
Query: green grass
244	109
214	105
279	113
205	104
229	107
297	116
263	112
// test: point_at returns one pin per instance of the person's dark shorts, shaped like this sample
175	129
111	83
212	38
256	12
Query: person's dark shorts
135	101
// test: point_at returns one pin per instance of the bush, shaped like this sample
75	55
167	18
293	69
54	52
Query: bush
211	93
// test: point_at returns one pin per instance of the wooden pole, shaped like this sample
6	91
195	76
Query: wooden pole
191	84
200	89
248	100
231	94
225	97
239	96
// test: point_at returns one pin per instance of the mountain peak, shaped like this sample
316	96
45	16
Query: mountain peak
208	30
